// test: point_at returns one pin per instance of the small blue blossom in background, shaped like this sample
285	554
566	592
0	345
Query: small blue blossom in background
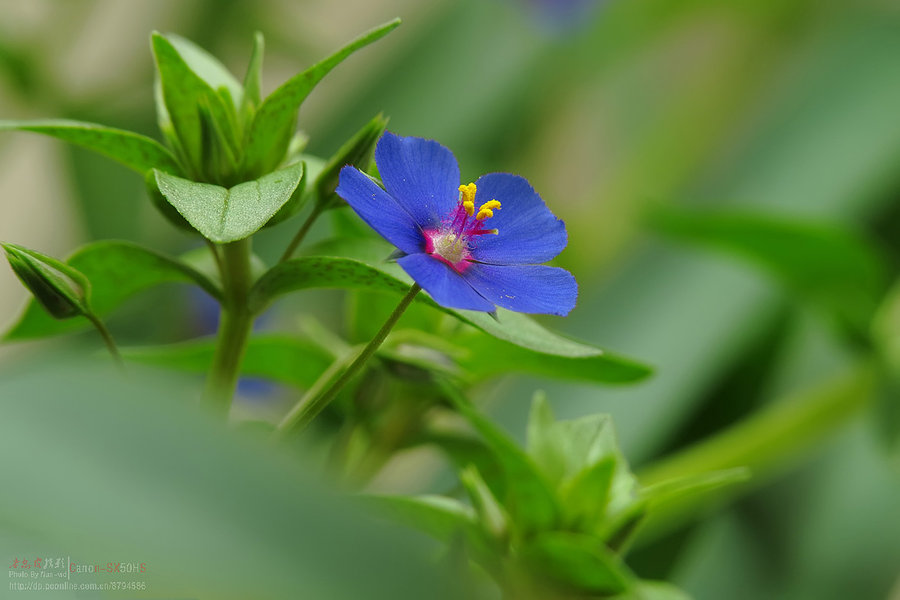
474	246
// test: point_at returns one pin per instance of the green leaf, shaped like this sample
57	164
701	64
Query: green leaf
674	489
161	481
273	124
253	79
653	590
440	517
207	67
488	356
226	215
186	97
335	272
563	449
528	499
117	271
61	290
279	358
584	498
357	151
823	263
491	515
577	561
133	150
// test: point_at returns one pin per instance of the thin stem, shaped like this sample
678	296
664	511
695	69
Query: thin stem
304	229
235	325
108	340
339	373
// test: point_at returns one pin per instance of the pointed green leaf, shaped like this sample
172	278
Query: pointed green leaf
584	498
529	499
207	67
823	263
563	449
273	124
289	360
654	590
133	150
357	151
576	561
225	215
61	290
335	272
487	356
186	95
440	517
117	271
671	490
253	78
492	517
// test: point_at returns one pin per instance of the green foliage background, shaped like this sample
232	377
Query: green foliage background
783	110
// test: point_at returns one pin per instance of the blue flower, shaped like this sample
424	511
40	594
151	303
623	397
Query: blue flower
474	246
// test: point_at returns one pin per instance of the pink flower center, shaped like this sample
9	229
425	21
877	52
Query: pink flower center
454	240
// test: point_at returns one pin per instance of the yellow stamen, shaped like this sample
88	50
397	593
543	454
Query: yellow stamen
485	211
467	197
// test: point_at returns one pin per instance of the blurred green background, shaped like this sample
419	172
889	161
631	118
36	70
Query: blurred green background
611	109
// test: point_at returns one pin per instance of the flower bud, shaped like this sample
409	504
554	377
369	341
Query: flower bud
60	289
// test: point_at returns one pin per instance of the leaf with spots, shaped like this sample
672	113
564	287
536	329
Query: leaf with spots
225	215
133	150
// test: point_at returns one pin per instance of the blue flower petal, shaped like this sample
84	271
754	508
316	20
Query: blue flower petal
525	288
379	210
528	233
444	284
420	174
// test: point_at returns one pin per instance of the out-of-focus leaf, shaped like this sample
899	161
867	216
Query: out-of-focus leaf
290	360
440	517
463	449
667	491
584	498
225	215
582	459
62	291
653	590
577	561
886	329
762	443
528	499
886	335
563	449
133	150
162	483
273	123
487	356
253	78
492	516
117	271
186	95
334	272
823	263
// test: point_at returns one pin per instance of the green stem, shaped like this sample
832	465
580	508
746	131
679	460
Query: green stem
108	340
766	443
326	388
235	324
304	229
